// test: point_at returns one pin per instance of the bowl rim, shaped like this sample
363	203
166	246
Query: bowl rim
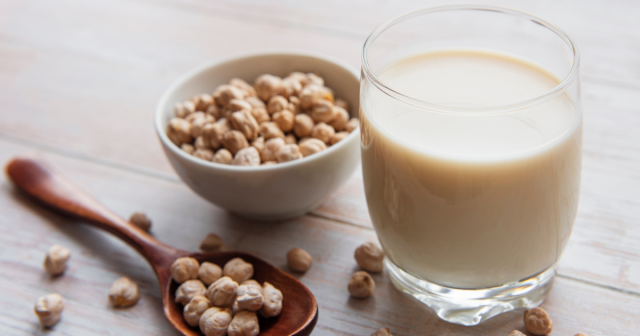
160	126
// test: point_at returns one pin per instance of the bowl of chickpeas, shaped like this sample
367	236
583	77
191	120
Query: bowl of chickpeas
266	136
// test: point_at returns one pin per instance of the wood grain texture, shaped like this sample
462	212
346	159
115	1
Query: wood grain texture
98	259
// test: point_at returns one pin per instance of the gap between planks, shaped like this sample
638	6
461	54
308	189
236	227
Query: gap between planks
166	177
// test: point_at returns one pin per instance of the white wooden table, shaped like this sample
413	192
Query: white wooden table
78	84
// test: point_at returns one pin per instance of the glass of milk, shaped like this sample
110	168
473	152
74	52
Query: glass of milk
471	135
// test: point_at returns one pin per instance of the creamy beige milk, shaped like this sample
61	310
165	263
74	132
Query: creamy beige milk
471	201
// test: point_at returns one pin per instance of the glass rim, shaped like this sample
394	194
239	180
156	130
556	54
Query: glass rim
556	91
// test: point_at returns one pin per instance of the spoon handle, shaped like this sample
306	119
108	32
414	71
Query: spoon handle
40	181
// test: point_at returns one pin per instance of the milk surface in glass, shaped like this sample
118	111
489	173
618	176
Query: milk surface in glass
469	200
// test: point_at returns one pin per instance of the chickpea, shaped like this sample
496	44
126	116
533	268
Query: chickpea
342	103
247	157
322	111
267	163
238	270
188	148
249	296
311	93
212	243
123	293
244	122
198	120
256	103
299	260
204	154
369	256
244	323
234	141
270	130
294	105
215	321
188	290
258	143
337	137
194	309
185	268
48	309
268	86
277	104
537	321
271	147
202	101
340	118
260	115
225	93
183	109
272	301
236	105
382	332
200	143
209	273
140	220
55	262
352	124
288	153
222	293
323	132
214	133
303	125
312	78
284	119
290	87
361	285
223	156
179	131
290	139
312	146
214	111
239	83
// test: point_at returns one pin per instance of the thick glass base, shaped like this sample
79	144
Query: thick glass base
472	306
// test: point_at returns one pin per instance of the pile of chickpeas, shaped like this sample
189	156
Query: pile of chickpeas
275	120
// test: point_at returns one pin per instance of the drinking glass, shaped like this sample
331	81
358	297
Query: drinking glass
472	226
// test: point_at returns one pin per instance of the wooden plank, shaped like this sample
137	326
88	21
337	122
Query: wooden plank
181	219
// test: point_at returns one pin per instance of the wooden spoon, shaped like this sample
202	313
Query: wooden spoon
299	311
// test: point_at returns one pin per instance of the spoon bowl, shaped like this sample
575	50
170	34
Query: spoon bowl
299	308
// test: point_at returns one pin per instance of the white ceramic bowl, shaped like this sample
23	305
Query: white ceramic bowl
272	192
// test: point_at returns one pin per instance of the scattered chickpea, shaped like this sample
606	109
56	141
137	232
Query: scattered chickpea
223	156
271	147
382	332
258	144
140	220
234	141
249	296
204	154
516	333
277	104
209	273
270	130
238	270
55	262
188	148
361	285
312	146
179	131
268	86
272	301
194	309
184	269
123	293
247	157
537	321
244	122
340	118
183	109
284	119
48	309
212	243
288	153
222	293
323	132
322	111
369	256
225	93
337	137
303	125
352	124
188	290
244	323
215	321
299	260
